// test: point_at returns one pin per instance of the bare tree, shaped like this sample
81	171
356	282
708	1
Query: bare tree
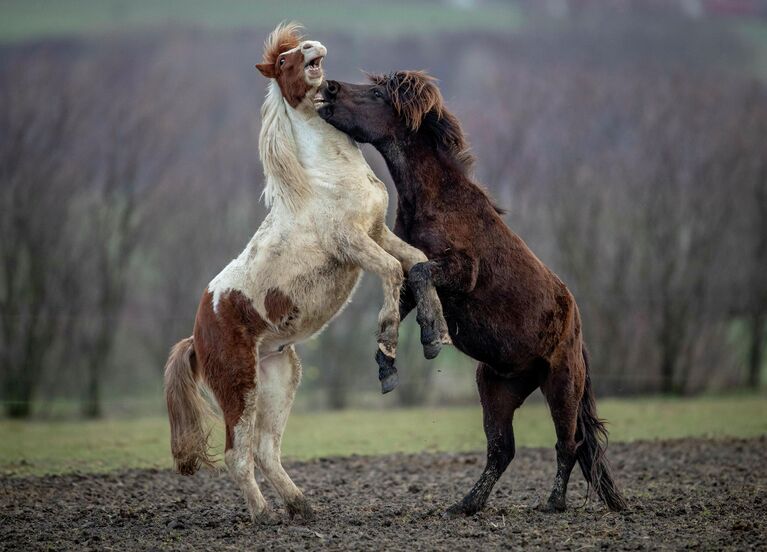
36	118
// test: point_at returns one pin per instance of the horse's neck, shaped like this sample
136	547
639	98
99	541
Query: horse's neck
317	142
296	147
414	170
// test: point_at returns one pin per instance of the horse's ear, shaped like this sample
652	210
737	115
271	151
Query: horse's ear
267	70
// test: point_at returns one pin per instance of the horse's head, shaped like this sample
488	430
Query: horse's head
294	63
390	106
393	108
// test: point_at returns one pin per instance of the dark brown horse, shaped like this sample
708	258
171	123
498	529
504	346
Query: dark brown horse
503	306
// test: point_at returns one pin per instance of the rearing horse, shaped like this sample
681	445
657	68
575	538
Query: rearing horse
325	225
503	306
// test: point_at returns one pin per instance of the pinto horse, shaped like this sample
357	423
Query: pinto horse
503	306
326	223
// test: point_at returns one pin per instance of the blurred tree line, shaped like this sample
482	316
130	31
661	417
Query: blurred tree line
632	161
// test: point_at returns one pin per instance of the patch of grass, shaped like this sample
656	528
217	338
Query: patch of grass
60	447
30	19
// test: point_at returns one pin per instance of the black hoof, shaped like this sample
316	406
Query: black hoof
389	383
429	339
387	372
460	509
431	350
552	507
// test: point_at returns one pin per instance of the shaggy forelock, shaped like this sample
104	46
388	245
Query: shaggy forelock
413	94
417	99
284	37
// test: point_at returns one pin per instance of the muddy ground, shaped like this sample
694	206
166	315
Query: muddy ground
682	494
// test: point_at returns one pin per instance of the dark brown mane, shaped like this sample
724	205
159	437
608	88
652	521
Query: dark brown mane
418	100
283	38
416	97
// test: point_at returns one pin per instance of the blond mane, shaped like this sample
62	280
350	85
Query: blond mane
286	180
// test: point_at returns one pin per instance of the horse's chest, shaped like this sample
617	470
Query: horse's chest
364	200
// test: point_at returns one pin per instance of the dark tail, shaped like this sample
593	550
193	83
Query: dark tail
591	452
187	410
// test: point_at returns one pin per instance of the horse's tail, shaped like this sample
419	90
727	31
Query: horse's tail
591	452
187	409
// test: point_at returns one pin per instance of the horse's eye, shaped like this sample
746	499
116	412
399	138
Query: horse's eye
377	94
282	61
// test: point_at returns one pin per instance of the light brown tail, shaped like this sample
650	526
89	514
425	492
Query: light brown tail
187	409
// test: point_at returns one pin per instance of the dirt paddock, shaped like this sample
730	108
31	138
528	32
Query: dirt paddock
682	494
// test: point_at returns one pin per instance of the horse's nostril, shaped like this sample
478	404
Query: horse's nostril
333	87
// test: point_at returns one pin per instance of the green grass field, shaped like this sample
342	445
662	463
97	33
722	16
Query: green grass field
60	447
30	19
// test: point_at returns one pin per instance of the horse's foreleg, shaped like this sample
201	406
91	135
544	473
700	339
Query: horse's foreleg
434	331
456	272
371	257
279	376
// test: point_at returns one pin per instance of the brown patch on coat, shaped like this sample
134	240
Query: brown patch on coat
225	345
278	306
292	80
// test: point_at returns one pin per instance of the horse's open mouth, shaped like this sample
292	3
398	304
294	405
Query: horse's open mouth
319	100
313	67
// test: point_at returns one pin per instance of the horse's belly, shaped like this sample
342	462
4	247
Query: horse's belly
318	296
478	333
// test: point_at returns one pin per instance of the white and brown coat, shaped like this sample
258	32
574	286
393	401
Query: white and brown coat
325	225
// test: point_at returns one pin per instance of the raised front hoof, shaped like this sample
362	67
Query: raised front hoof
389	383
299	508
430	339
461	509
387	372
431	350
265	518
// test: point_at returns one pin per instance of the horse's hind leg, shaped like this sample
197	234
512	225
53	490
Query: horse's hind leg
279	376
563	389
500	397
239	452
